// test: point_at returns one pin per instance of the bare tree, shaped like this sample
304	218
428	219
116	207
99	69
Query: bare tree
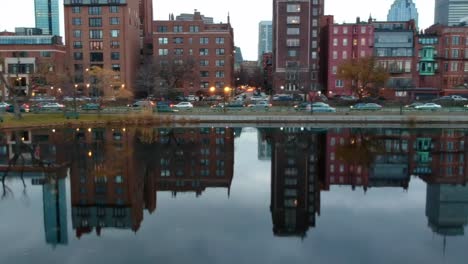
146	77
12	88
172	72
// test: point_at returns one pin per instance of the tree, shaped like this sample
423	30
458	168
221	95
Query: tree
146	77
12	89
364	74
102	81
172	73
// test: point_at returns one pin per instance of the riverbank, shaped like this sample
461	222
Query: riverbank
141	119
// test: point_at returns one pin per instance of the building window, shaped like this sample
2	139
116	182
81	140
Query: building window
204	84
77	33
96	56
293	8
345	30
95	45
115	55
113	9
335	42
76	21
292	42
292	31
219	40
219	63
161	29
95	34
193	28
204	41
335	55
363	30
94	10
178	40
455	40
454	66
345	55
115	44
204	63
219	74
334	68
178	28
339	83
163	52
335	30
345	42
293	19
178	52
46	54
163	41
115	33
455	53
219	51
292	53
203	52
204	74
77	44
76	9
363	41
78	55
116	67
114	20
95	22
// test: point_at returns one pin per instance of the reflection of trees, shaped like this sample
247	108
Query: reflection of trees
360	149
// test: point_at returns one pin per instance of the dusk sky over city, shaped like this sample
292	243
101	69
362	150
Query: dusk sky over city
245	14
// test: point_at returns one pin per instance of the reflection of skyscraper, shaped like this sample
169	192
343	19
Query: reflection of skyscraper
447	208
264	147
295	188
47	16
55	211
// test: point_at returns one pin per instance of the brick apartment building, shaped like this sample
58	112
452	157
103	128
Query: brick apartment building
340	43
23	57
194	38
296	38
107	34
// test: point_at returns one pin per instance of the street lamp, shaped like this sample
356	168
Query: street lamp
227	90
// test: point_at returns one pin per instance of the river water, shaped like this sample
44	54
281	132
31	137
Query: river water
234	195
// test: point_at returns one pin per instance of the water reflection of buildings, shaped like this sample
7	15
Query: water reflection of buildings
42	157
295	170
116	173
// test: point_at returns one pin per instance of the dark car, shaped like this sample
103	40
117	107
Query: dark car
164	107
366	106
23	108
91	106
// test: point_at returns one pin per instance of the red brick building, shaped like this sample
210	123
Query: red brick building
296	38
197	40
22	58
108	35
340	43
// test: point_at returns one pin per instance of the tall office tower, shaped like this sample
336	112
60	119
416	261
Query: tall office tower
105	34
47	16
296	38
450	12
265	38
403	10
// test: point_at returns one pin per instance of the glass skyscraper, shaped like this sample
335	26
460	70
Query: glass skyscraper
451	12
403	10
265	38
47	16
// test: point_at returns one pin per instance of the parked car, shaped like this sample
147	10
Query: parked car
3	106
52	106
183	105
322	107
164	107
260	105
413	105
304	106
366	106
91	106
233	105
142	104
23	108
428	106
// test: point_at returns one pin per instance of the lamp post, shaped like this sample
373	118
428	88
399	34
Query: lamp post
226	93
74	99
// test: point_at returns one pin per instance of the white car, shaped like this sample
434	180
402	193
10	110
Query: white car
52	106
4	105
428	106
183	105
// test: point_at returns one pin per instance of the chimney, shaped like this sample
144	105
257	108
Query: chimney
358	20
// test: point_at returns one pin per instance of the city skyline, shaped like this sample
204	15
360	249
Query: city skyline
245	33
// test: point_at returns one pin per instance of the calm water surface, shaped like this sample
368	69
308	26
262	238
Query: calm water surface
234	195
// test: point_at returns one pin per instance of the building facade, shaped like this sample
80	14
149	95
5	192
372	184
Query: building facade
450	12
47	16
209	48
340	43
296	38
403	10
104	34
26	60
265	38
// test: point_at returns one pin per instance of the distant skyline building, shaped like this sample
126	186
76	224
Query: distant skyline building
403	10
265	38
450	12
46	14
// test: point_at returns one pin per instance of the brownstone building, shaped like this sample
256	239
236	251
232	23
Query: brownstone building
22	58
107	34
296	38
195	39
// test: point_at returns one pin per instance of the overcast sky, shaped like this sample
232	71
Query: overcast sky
245	14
